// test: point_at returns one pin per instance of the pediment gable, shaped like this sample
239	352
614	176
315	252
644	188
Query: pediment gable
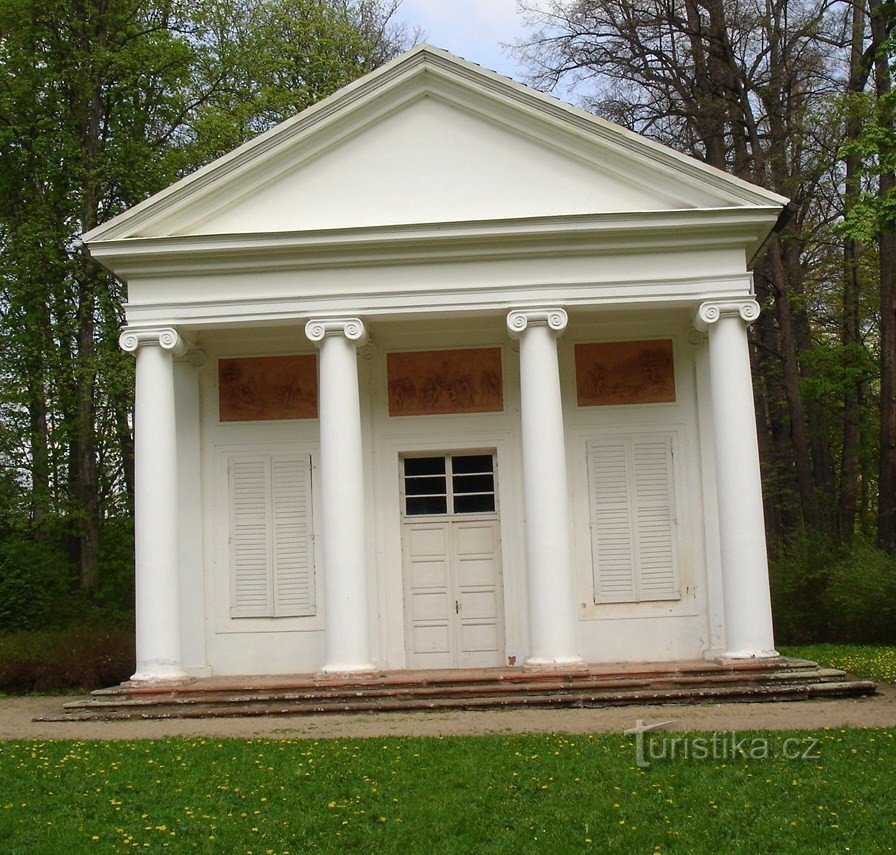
430	138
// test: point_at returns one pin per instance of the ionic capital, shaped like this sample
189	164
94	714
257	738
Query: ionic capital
712	311
165	337
353	329
555	319
196	357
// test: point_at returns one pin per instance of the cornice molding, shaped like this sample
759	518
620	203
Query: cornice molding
712	311
523	237
519	320
166	338
317	329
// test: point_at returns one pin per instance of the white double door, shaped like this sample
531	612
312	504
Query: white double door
452	570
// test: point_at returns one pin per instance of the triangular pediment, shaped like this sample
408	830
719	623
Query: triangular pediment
431	139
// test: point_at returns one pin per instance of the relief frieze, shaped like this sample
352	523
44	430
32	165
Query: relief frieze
432	382
625	372
262	388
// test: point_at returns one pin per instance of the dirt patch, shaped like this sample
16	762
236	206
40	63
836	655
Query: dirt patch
16	716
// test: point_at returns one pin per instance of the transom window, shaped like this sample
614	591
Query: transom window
449	484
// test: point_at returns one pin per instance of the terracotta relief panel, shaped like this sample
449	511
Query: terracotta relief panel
431	382
267	387
625	372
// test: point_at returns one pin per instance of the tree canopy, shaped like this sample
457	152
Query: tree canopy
794	95
102	103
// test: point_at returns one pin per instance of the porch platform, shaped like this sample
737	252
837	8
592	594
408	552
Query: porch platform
685	682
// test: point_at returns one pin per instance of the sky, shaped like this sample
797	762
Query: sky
473	29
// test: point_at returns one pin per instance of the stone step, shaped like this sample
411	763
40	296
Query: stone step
91	710
518	676
469	689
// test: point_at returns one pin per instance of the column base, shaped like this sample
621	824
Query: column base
161	673
338	671
561	663
741	655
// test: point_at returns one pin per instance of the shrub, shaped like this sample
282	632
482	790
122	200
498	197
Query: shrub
116	566
84	658
798	578
33	583
860	596
821	593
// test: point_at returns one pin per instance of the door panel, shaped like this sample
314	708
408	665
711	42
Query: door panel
453	598
479	642
428	599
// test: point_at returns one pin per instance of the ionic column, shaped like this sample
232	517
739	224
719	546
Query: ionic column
552	618
745	589
342	493
155	503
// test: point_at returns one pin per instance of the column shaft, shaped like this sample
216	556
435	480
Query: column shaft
747	602
551	580
155	510
342	497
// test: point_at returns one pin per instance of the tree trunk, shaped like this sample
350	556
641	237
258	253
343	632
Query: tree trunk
886	511
40	458
850	327
770	504
802	461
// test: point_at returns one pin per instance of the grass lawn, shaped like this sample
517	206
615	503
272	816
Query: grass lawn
875	662
554	793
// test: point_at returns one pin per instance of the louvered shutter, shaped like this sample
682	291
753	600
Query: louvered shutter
612	534
271	547
250	513
657	577
292	537
634	550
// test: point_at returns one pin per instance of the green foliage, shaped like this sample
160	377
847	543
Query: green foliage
820	593
859	599
102	103
39	585
832	368
266	60
798	577
874	662
79	657
494	794
33	583
116	592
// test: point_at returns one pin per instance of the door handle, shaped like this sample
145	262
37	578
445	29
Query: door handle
457	607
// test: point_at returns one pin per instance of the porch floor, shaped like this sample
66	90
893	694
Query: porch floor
614	684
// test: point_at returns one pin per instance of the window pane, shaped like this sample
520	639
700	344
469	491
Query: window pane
416	506
484	504
424	466
425	486
473	484
472	463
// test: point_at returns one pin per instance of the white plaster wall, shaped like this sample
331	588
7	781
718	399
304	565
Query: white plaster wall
394	436
687	628
430	161
191	517
251	645
651	630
